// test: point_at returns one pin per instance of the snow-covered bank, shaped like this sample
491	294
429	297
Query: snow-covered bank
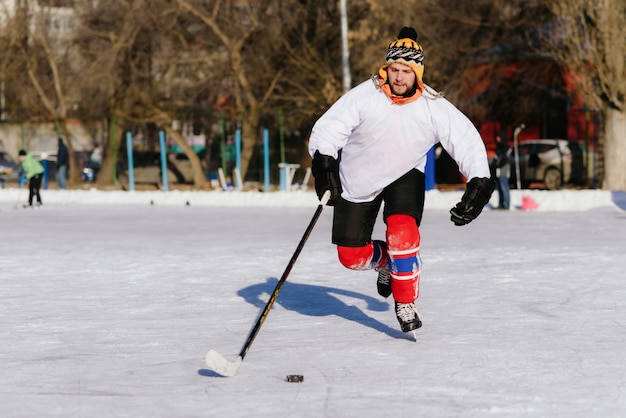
564	200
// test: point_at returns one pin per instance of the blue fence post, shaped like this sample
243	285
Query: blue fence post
266	159
238	149
163	161
129	157
430	169
44	163
238	156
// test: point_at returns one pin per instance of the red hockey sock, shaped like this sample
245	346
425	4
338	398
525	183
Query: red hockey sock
372	255
403	240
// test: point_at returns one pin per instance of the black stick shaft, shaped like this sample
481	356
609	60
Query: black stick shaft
283	279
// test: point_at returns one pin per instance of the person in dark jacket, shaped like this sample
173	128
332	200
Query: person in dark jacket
502	163
63	160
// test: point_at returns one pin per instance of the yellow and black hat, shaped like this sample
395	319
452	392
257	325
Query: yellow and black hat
406	50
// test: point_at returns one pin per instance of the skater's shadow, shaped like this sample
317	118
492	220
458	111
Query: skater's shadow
319	301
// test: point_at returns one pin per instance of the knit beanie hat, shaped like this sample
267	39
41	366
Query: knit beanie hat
22	152
405	50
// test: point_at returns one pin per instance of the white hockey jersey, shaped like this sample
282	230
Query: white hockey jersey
381	141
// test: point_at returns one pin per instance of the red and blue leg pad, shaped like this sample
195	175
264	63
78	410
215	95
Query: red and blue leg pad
370	256
403	241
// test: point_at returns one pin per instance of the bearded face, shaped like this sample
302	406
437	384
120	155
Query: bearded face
401	78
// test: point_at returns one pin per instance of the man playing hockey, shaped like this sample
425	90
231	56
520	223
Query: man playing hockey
370	147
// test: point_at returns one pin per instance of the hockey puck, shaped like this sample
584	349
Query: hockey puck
295	378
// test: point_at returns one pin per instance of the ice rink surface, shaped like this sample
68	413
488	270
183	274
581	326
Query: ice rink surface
108	309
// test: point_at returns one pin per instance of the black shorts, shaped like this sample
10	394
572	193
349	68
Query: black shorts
353	223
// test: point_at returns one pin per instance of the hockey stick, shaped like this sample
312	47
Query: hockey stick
214	360
19	196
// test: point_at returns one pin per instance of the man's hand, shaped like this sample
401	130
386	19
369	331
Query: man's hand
325	169
476	196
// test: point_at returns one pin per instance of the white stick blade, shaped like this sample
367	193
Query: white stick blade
216	362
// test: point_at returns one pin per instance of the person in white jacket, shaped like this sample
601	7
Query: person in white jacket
370	147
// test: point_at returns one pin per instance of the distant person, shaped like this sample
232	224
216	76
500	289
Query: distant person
94	163
63	162
370	148
34	172
95	159
502	165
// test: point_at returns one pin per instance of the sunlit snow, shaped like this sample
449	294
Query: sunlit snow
110	301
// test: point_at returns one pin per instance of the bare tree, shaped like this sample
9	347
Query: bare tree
472	63
588	37
307	49
46	55
238	25
105	39
310	42
144	68
162	62
12	65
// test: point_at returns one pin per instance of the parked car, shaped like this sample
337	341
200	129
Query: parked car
9	168
554	162
147	168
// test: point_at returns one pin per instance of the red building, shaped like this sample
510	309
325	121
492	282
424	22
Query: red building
499	97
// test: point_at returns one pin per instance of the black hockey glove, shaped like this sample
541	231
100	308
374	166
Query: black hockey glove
476	196
325	169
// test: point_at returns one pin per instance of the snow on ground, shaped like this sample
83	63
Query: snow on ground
109	303
565	200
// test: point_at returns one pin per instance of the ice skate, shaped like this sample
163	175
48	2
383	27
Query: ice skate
383	283
408	317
